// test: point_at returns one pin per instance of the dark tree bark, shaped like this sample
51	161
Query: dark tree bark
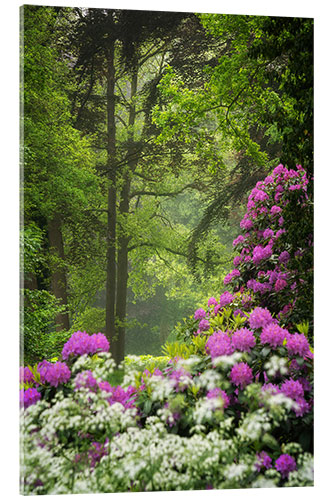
112	199
58	273
123	239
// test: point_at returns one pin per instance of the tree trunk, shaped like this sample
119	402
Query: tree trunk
112	199
123	239
122	276
58	273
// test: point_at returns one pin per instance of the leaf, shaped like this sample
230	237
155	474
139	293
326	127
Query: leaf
270	441
147	406
265	352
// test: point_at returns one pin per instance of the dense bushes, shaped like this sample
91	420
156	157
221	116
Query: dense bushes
235	411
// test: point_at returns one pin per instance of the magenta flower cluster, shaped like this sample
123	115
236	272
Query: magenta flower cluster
243	340
260	317
57	373
285	464
241	375
219	344
29	397
221	397
260	248
83	343
273	335
85	379
263	461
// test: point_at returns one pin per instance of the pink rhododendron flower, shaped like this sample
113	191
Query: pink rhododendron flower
219	344
273	335
241	375
243	340
260	317
199	314
297	344
285	464
222	398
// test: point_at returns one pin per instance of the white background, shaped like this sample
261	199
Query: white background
9	262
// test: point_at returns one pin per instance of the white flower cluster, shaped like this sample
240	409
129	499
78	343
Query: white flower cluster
209	379
276	365
254	425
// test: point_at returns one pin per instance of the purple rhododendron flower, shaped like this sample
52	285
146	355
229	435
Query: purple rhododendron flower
260	317
241	375
263	460
297	344
82	343
292	388
26	376
77	345
284	257
98	343
280	169
237	260
238	240
275	210
231	275
269	179
302	407
271	388
42	368
280	285
239	312
57	373
268	233
219	344
226	298
217	309
246	223
285	464
222	398
180	378
204	325
85	379
29	397
273	335
199	314
120	395
260	195
212	301
243	340
105	386
261	253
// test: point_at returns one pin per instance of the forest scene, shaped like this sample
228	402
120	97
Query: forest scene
167	179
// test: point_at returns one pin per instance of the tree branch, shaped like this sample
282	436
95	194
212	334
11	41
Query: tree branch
154	193
171	250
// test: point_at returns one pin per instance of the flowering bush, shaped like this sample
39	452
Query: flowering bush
233	411
275	261
230	406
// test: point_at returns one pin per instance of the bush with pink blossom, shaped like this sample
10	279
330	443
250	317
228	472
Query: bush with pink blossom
275	251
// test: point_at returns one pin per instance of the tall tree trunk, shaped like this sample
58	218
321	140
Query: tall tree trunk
58	273
112	199
122	275
123	239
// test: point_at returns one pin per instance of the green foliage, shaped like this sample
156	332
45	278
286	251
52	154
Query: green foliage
91	320
39	336
177	349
